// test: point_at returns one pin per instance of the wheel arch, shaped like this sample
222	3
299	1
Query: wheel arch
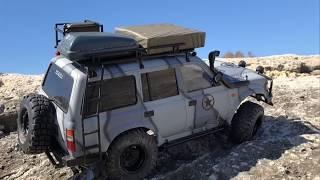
257	92
147	129
242	99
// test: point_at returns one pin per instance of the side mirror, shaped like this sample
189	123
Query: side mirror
212	57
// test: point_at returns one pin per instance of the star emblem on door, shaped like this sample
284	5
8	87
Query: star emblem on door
207	102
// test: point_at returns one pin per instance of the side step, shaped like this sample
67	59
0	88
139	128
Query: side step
191	137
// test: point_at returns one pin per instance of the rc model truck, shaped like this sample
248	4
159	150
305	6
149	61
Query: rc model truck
118	97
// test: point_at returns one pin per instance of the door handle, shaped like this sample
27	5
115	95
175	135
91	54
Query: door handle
148	113
192	102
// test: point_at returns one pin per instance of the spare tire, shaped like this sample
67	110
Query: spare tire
35	120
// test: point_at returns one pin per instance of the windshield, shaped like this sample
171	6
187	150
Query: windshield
58	86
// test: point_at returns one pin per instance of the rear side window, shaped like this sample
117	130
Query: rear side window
115	93
194	77
159	84
58	86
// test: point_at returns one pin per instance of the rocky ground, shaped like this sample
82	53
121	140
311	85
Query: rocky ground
286	147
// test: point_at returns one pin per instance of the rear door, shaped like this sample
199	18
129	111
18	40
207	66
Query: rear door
163	103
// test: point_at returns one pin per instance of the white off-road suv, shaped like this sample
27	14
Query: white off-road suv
117	97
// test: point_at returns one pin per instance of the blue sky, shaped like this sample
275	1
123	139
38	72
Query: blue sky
263	27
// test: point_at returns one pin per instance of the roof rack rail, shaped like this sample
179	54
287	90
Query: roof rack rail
139	56
61	29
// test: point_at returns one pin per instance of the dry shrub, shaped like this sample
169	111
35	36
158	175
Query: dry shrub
305	69
228	54
239	54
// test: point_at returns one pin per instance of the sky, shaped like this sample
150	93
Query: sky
267	27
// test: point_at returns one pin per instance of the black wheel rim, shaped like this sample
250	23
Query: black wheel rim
132	158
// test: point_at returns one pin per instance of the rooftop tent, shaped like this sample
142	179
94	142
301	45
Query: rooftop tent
162	38
83	45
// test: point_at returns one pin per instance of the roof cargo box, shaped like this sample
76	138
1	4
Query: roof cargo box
83	45
162	38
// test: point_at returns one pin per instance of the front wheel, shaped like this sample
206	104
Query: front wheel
246	122
132	155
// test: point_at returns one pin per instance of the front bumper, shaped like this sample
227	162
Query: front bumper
268	96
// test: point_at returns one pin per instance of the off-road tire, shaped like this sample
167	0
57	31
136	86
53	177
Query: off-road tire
35	119
135	137
246	122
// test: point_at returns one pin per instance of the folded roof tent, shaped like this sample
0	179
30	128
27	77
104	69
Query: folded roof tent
162	38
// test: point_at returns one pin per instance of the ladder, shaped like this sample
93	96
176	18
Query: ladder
85	117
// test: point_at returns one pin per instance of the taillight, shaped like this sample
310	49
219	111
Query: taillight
70	140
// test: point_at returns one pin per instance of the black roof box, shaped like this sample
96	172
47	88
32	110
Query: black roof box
79	46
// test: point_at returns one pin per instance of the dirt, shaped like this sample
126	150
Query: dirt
14	86
287	146
286	63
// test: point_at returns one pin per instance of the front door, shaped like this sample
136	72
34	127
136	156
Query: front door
200	104
164	106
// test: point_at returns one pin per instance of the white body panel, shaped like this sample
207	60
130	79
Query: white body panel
173	117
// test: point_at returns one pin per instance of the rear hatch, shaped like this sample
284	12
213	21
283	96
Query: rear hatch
57	86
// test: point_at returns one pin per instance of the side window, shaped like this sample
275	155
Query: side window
159	85
194	77
115	93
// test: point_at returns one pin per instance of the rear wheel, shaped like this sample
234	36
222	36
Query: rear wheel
132	155
34	122
246	122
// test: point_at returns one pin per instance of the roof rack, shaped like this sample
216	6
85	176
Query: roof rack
67	27
122	47
137	55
